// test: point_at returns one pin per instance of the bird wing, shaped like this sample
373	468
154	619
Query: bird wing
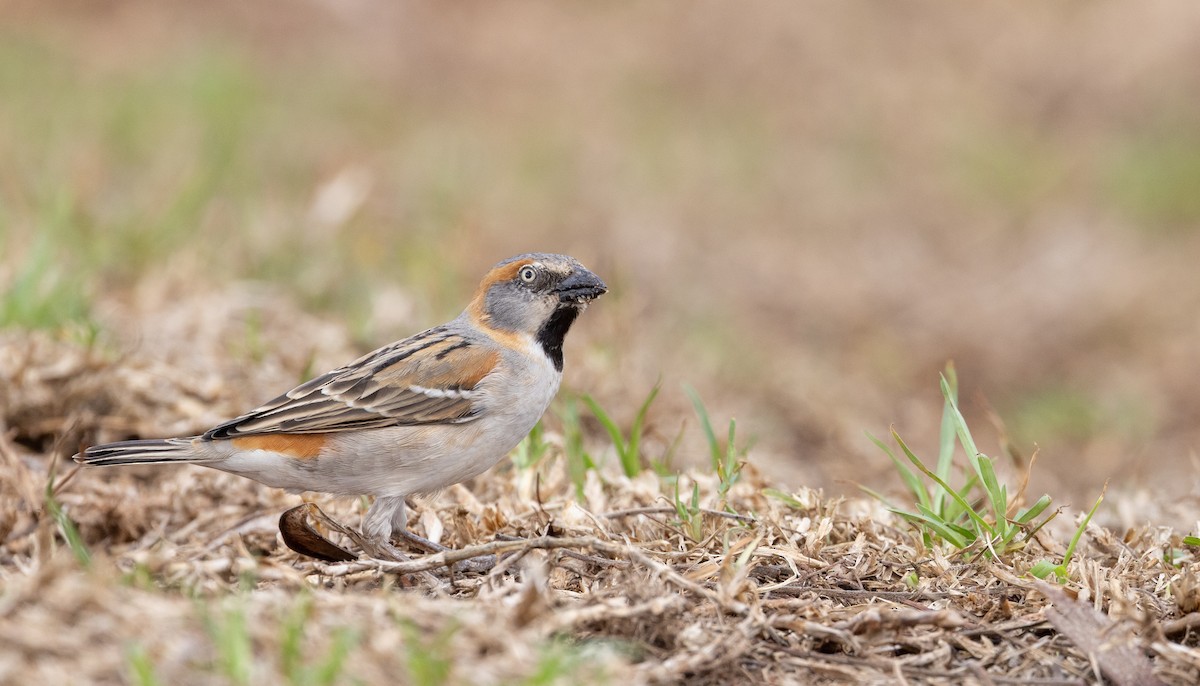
430	378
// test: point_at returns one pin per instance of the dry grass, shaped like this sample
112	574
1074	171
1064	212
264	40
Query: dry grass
187	580
803	210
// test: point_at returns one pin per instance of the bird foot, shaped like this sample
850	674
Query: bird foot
478	565
300	535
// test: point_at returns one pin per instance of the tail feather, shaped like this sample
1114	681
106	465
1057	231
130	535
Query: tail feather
157	451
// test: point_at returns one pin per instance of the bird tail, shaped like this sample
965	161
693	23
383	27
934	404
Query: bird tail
157	451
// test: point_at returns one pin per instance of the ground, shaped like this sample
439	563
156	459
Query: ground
803	212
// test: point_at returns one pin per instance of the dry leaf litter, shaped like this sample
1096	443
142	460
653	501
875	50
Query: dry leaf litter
811	589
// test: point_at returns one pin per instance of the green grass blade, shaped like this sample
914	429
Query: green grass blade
680	508
729	469
947	434
663	466
1049	518
1083	526
1028	514
983	525
787	498
633	466
291	640
67	528
428	660
235	651
530	451
979	462
960	423
714	448
939	527
1043	569
579	463
963	531
991	485
951	377
911	480
696	517
330	670
141	666
614	431
730	458
952	510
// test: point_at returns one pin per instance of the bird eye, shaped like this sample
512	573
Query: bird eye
528	274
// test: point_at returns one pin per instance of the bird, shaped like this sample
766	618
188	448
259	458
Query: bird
413	417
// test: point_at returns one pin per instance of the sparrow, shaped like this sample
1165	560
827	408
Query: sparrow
412	417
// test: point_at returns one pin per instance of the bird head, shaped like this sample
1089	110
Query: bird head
536	294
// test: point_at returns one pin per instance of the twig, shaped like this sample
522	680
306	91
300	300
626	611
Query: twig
888	667
1000	629
596	560
845	593
1114	654
800	625
1178	626
570	618
450	557
617	514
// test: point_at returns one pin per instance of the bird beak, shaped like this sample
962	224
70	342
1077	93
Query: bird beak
580	288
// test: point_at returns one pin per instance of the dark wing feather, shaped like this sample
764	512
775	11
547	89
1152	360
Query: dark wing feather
427	379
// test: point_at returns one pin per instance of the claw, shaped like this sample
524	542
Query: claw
481	565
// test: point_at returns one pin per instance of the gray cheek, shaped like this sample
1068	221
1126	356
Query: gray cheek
515	308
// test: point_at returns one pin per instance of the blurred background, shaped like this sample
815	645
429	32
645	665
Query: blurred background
804	210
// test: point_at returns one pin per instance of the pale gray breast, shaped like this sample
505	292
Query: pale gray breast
520	398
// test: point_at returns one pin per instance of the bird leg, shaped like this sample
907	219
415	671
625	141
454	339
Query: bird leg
399	521
387	517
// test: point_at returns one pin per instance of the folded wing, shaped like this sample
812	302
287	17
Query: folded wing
430	378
